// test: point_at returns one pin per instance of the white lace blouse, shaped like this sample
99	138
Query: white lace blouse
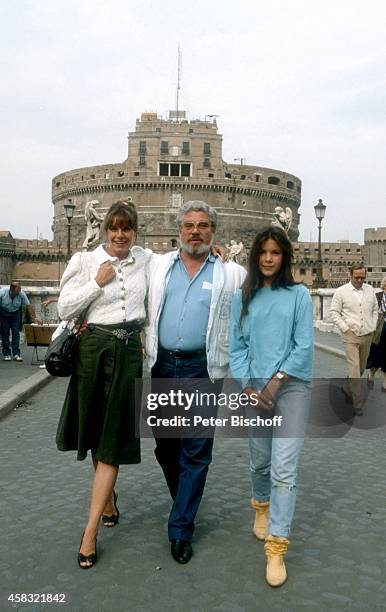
121	300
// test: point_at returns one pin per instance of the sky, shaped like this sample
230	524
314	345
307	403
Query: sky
297	85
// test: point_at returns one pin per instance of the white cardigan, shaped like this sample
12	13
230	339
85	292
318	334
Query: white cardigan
227	278
348	313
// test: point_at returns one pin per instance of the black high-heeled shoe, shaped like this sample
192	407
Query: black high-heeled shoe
113	519
89	559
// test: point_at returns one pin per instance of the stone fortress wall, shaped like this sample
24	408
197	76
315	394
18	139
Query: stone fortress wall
170	161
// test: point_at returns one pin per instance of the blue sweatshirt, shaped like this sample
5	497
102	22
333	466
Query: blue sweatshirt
275	336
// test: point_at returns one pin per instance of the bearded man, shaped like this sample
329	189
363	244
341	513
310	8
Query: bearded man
189	304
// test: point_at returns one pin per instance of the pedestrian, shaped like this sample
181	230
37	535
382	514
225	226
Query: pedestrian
271	355
377	355
11	301
354	310
99	412
187	337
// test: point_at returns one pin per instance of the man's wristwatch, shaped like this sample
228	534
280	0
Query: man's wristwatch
281	376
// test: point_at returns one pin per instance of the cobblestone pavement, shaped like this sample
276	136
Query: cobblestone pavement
12	372
336	561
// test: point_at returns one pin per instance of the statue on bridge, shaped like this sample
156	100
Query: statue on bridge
94	221
282	218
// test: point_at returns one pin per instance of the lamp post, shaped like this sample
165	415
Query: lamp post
69	212
320	211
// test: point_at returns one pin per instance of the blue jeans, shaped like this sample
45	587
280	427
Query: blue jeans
184	461
274	459
10	323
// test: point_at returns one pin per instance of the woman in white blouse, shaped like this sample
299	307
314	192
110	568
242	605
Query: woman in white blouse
100	408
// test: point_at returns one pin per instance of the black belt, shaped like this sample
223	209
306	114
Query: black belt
184	354
122	331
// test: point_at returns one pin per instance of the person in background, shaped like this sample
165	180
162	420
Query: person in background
271	355
377	355
11	300
354	310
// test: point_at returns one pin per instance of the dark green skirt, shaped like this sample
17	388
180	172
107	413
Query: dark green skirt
99	412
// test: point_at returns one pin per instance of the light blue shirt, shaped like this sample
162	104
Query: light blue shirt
10	305
275	336
184	318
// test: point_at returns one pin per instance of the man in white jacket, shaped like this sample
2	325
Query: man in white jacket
189	304
354	310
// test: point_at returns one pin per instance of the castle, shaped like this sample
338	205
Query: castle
170	161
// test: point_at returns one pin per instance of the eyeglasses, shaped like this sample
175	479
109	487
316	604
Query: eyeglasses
201	225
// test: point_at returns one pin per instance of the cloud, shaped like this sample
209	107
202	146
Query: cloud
298	86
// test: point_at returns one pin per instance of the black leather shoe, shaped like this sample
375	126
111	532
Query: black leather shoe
181	550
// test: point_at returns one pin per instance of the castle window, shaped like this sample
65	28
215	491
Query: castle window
369	269
136	173
142	147
273	180
164	147
206	148
228	175
174	169
158	130
243	177
142	160
206	162
290	185
174	243
186	148
257	178
298	189
92	176
190	130
302	271
58	184
210	175
120	173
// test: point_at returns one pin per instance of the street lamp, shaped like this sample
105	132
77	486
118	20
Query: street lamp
69	212
320	211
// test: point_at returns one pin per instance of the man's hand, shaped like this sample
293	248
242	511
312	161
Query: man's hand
221	251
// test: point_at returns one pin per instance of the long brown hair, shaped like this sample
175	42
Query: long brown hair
255	279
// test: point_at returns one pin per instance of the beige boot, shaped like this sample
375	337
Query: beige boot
260	525
275	548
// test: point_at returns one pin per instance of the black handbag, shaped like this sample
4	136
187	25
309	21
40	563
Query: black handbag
61	354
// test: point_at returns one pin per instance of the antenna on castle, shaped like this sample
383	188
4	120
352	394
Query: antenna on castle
178	79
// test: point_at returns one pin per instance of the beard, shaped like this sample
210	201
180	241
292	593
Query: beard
196	251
